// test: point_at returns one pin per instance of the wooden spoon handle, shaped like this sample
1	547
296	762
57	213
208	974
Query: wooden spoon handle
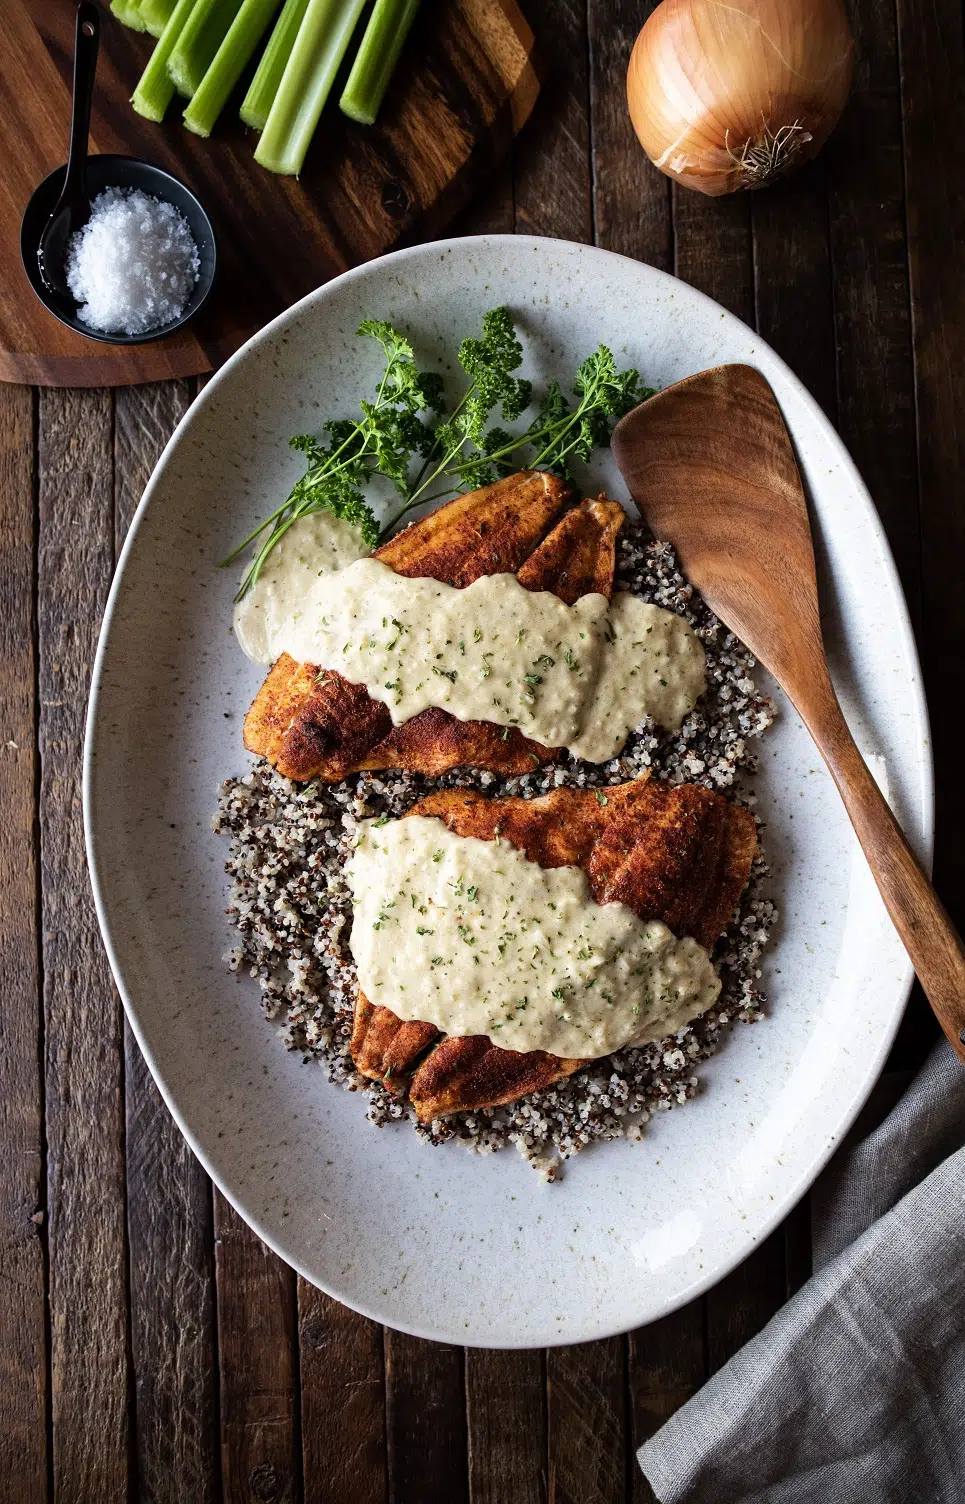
930	938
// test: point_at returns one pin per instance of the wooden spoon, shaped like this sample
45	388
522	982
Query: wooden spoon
710	465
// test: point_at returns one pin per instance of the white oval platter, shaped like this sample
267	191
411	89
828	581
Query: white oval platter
439	1242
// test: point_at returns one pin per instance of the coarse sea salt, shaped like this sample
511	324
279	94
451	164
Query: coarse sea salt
133	265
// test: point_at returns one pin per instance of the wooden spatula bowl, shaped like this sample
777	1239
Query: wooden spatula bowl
710	465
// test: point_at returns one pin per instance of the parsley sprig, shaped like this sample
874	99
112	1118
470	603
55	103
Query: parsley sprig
390	430
427	453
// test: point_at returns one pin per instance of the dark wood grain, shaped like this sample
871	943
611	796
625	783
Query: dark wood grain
587	1423
797	1247
506	1413
933	94
493	211
465	86
257	1341
425	1409
631	200
552	175
23	1340
342	1402
173	1344
872	317
792	279
144	420
745	1300
83	1043
667	1365
712	248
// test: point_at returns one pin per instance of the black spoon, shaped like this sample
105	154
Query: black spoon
61	205
72	210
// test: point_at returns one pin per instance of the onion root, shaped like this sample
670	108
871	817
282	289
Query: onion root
765	157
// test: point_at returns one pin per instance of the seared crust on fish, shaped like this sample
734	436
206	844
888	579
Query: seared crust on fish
312	723
309	722
679	854
579	556
489	531
384	1047
461	1074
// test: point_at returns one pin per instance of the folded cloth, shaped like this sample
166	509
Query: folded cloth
855	1392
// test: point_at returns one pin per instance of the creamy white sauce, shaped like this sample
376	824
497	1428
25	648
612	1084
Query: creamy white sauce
473	937
318	544
581	676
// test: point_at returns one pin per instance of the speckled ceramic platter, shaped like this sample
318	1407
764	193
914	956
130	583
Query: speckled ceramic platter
436	1241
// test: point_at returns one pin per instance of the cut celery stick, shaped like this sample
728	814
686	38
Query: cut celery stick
376	58
156	14
195	48
155	90
306	82
128	12
264	86
228	64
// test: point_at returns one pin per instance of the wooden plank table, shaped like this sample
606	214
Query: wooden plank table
150	1347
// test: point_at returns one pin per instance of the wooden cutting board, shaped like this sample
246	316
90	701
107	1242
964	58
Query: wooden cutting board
465	84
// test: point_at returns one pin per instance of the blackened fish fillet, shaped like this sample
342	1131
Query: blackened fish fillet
309	722
679	854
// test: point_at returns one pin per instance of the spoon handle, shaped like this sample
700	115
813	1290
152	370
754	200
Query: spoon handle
87	33
928	934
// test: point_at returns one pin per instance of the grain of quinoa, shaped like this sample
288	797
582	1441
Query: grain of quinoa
289	902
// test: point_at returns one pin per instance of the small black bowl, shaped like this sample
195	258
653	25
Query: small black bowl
117	172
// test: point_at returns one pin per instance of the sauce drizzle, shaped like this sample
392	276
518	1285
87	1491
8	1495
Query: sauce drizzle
475	938
581	676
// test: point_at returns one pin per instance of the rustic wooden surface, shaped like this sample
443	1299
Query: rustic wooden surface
364	189
149	1347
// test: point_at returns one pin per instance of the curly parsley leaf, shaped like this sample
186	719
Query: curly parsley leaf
391	429
489	363
407	422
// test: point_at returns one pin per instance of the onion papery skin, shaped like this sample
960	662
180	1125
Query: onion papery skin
730	94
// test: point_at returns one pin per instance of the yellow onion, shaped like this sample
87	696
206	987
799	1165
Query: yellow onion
729	94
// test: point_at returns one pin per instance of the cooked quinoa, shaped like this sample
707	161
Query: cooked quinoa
290	904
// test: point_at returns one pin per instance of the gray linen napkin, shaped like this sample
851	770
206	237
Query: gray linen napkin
855	1391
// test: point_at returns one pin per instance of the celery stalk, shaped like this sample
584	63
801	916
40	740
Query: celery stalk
376	58
228	64
155	90
264	86
128	12
199	41
306	82
156	14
